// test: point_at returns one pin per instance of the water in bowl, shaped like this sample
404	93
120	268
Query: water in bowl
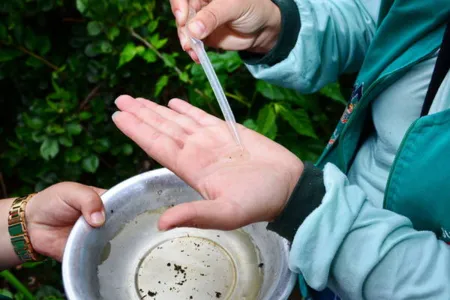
184	263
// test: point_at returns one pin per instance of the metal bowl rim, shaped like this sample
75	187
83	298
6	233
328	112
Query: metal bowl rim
106	198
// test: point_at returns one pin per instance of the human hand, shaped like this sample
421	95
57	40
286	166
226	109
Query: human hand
52	213
252	25
244	186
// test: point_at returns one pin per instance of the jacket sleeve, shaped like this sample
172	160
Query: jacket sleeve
361	251
332	39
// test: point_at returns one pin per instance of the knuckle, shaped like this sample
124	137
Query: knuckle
92	199
212	17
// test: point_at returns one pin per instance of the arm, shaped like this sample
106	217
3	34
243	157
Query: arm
8	257
50	215
360	251
332	39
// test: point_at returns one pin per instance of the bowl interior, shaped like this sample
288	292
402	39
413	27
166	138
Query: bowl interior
128	258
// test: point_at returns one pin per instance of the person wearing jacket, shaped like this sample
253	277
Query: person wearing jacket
370	219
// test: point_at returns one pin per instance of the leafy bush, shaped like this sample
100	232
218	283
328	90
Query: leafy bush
62	64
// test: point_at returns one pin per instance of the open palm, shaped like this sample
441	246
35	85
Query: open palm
246	186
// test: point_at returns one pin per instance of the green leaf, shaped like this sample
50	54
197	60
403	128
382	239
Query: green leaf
298	119
149	56
152	26
266	121
270	91
85	115
105	47
127	149
161	84
128	53
102	145
53	129
333	91
250	124
157	42
112	33
74	129
169	60
32	264
49	149
34	123
8	54
38	137
184	77
94	28
91	50
72	155
43	45
33	62
90	164
6	293
81	6
65	141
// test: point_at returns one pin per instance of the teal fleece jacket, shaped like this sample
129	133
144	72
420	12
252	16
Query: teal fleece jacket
342	238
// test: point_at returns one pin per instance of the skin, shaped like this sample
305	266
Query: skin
252	25
50	216
242	186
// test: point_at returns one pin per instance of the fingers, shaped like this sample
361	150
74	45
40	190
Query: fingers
186	45
163	125
156	144
187	123
84	199
214	15
198	115
180	11
206	214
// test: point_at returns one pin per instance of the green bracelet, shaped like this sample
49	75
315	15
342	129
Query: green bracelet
17	227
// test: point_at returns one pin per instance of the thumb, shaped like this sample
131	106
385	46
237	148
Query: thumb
86	200
214	15
205	214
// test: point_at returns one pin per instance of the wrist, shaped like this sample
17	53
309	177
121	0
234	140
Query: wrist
306	196
19	230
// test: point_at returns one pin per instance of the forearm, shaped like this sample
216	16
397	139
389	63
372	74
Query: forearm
8	257
361	251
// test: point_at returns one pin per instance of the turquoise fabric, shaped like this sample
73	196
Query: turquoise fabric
349	244
419	181
333	39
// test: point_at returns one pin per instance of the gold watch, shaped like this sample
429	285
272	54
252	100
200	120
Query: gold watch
17	227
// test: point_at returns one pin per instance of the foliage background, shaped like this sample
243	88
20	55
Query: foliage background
62	64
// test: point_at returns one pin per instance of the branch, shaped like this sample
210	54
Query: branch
146	43
90	96
38	57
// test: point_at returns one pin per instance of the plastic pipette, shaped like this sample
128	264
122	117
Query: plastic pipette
199	49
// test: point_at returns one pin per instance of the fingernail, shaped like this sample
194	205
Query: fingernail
197	28
178	15
114	115
98	218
